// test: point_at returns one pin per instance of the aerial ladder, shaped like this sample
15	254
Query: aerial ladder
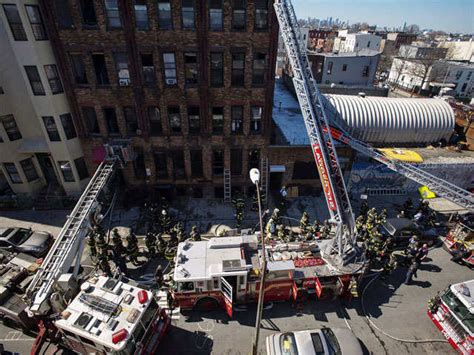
67	249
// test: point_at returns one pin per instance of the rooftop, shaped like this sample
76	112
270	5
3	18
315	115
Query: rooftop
464	291
104	306
362	53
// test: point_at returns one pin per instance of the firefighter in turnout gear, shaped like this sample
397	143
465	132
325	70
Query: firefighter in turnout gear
165	221
161	245
281	233
132	246
364	208
276	216
304	222
180	233
359	223
353	289
195	234
92	246
270	228
291	236
102	246
382	217
325	230
150	242
371	215
117	242
104	265
239	205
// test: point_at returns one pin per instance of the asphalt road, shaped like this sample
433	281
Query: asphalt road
397	309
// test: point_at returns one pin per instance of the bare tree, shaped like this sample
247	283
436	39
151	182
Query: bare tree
399	62
420	68
385	63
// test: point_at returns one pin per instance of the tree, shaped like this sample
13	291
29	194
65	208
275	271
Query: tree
399	63
420	68
384	65
413	29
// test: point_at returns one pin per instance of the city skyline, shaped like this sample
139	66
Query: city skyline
452	16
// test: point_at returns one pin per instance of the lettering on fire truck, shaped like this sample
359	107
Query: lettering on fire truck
324	177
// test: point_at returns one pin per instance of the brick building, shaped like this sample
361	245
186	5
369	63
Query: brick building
188	83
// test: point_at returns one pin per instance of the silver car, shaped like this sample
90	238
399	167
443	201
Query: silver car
25	241
325	341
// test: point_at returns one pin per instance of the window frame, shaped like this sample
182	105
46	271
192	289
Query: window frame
160	26
18	179
112	14
179	172
21	35
59	15
38	28
30	172
210	11
170	116
80	172
90	126
92	25
236	170
54	81
255	60
236	123
146	72
74	68
13	126
221	120
215	168
67	122
53	134
329	68
191	129
122	64
66	171
105	80
365	71
170	66
197	166
107	121
34	77
254	120
264	9
131	120
156	122
216	72
238	73
147	27
188	11
159	171
239	8
187	65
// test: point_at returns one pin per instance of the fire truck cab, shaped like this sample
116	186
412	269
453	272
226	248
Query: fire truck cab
112	316
460	242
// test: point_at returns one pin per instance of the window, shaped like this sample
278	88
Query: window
190	68
217	162
215	15
131	122
458	74
155	120
344	67
236	162
254	159
139	164
464	86
169	62
217	120
53	78
304	170
148	69
187	13
66	170
11	128
469	75
329	68
14	21
35	80
237	118
177	157
100	68
121	65
194	120
36	22
196	163
88	13
261	14
68	126
238	67
174	118
165	20
113	14
161	165
111	120
78	69
141	15
12	173
256	119
63	14
368	44
365	71
331	341
217	69
90	118
29	169
259	65
239	14
81	168
51	129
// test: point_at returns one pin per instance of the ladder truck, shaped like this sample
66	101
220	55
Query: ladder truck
107	314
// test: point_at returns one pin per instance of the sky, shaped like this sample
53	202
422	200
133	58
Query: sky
443	15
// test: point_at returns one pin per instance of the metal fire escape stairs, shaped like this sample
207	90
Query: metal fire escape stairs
68	246
343	247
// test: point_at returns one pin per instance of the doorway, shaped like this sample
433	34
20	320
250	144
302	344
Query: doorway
276	181
47	167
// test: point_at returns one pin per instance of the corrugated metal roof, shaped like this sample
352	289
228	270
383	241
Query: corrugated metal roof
394	120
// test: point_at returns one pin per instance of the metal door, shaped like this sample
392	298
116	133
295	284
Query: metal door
227	291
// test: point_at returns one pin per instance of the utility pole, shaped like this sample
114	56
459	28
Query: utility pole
255	178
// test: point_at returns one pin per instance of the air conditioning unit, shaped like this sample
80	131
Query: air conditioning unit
170	81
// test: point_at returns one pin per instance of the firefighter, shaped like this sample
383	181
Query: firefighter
195	234
270	228
325	230
371	215
117	243
364	208
150	242
104	265
101	243
291	236
276	216
353	289
382	217
281	233
389	266
408	207
132	246
92	245
359	222
304	222
161	245
165	221
159	276
179	232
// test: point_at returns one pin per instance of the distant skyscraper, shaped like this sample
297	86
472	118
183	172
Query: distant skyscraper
404	27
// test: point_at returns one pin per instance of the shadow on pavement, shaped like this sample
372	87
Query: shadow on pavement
181	341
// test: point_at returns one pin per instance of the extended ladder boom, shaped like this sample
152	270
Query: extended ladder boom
69	244
316	123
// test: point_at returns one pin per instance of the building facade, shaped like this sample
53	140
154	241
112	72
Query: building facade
359	41
188	84
396	39
39	145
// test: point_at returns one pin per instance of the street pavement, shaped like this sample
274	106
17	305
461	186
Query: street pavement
397	309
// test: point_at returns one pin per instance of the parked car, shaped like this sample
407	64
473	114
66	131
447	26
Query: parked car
25	241
325	341
402	229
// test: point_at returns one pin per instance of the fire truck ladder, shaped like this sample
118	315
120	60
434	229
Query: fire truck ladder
316	123
264	178
439	186
70	241
227	186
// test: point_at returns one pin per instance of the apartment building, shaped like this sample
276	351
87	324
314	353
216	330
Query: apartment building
353	42
39	145
188	84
